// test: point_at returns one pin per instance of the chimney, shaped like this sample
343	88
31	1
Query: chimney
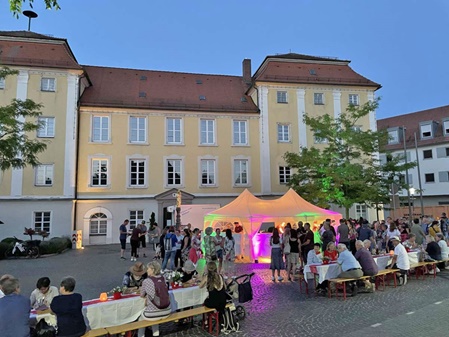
246	67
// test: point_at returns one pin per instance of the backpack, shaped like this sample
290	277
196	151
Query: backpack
168	243
229	323
161	297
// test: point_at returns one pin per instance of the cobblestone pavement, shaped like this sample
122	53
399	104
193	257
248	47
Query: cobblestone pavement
278	309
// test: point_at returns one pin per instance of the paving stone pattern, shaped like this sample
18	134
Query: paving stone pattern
417	309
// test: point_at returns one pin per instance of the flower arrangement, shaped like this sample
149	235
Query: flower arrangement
30	232
174	277
118	289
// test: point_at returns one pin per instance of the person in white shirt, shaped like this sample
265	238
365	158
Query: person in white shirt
43	295
314	256
400	260
4	277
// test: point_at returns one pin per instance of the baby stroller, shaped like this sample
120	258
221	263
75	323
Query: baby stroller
239	291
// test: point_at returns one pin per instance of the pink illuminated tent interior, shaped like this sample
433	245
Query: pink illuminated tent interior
251	212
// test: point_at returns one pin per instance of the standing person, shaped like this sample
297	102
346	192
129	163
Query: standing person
293	257
286	243
229	253
123	236
170	248
219	242
161	241
277	263
135	240
343	231
179	246
352	236
328	235
186	243
444	225
195	246
417	230
209	246
68	310
157	300
153	235
307	242
14	309
43	294
143	237
392	232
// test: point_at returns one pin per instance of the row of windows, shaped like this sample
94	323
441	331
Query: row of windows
174	131
318	98
174	173
443	177
427	130
47	84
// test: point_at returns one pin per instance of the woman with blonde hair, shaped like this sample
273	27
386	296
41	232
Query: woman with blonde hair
215	285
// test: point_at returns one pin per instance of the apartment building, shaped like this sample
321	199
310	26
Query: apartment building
431	129
48	73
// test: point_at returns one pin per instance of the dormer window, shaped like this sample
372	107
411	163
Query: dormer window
394	135
446	127
427	129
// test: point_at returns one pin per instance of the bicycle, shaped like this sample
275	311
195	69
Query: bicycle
29	248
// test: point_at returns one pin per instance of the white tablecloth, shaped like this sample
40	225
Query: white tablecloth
328	271
125	310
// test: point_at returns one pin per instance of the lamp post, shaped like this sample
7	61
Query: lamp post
412	191
406	178
419	177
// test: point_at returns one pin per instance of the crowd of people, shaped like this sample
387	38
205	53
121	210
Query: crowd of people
353	243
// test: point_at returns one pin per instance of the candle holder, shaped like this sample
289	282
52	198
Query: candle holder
103	297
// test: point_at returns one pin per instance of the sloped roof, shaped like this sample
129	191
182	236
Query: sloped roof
411	122
22	48
150	89
299	68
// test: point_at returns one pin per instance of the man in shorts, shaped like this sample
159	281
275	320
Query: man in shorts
123	236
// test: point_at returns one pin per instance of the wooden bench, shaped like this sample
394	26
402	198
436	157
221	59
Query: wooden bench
208	313
421	268
382	274
96	333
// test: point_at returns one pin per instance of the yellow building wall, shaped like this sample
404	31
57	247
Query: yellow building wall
119	149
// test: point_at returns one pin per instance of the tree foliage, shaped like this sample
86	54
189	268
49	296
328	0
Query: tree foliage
15	6
18	121
347	169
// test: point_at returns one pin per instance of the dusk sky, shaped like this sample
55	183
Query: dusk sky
401	44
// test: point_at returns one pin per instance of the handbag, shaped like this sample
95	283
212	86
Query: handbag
43	329
287	249
245	292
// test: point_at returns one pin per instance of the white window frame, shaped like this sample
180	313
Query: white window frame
285	174
108	170
237	163
283	133
46	129
354	99
130	173
42	225
135	217
208	132
357	128
446	127
48	84
282	97
103	131
180	170
240	132
44	175
97	221
135	131
393	136
361	211
426	128
318	98
2	83
172	131
210	170
318	140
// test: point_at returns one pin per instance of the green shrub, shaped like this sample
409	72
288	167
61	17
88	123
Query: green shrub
9	241
54	246
3	247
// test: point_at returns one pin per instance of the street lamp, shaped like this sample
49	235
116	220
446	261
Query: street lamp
412	192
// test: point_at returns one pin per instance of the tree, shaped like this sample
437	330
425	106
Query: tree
15	6
347	170
17	121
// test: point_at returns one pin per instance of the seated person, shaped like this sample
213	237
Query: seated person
314	256
367	244
44	293
14	309
330	253
443	246
133	278
188	273
216	287
349	265
155	291
68	310
4	277
369	266
410	243
400	260
433	249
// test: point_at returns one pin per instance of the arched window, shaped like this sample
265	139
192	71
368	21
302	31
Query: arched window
98	224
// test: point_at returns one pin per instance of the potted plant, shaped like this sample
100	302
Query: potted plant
117	292
175	279
30	232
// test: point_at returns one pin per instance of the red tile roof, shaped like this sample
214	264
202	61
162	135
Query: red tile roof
20	48
298	68
125	88
411	123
